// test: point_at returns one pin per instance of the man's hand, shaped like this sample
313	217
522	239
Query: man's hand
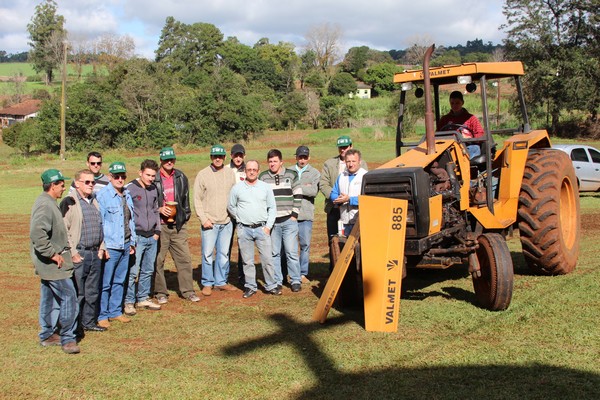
267	230
342	199
101	254
58	259
208	224
131	249
166	211
156	236
77	258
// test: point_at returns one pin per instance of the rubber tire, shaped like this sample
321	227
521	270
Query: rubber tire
494	287
548	215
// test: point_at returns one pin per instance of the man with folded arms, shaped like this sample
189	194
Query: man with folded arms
51	258
211	194
81	214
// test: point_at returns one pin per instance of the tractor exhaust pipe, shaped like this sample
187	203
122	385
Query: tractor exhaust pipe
429	129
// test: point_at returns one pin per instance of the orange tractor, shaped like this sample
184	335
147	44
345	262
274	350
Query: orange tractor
461	208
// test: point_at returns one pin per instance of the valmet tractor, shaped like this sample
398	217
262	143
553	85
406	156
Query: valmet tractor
460	209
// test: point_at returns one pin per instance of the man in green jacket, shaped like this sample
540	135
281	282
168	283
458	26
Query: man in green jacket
52	261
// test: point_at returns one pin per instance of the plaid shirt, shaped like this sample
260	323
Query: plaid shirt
91	229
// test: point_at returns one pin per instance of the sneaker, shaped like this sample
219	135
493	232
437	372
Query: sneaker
226	287
276	291
70	348
52	340
296	287
305	279
120	318
129	309
148	305
248	293
193	298
206	290
162	299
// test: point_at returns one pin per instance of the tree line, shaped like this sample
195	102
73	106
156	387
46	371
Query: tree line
203	88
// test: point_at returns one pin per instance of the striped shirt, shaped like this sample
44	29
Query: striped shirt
287	190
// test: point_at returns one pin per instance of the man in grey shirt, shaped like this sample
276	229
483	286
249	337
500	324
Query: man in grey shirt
252	205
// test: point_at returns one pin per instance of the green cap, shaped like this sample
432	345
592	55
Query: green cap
344	141
167	153
217	150
117	168
53	175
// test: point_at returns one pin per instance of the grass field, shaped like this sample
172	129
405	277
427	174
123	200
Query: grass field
545	346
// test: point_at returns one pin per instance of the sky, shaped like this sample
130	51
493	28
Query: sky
379	24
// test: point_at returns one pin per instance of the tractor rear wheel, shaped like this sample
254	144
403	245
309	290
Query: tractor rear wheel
548	215
494	287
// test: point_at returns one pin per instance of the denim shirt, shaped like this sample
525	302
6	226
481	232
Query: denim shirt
111	212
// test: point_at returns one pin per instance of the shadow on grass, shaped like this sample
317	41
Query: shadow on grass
453	382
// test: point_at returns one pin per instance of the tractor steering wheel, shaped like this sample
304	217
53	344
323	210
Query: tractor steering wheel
463	130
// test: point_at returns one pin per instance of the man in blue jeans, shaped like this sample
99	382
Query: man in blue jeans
288	197
52	261
309	181
211	194
116	211
81	214
252	205
147	228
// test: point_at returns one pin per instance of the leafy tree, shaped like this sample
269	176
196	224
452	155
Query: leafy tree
22	136
236	55
355	59
336	111
46	27
226	109
449	57
381	77
96	117
557	41
293	109
188	48
342	84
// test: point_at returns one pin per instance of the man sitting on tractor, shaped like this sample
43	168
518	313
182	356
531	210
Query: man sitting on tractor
461	120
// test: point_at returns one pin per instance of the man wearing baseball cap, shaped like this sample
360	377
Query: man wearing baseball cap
309	181
51	258
238	165
211	194
173	186
118	224
331	170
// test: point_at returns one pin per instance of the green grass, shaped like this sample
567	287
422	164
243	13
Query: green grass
545	346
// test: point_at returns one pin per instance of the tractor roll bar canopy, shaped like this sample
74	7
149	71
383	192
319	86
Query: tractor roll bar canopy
449	74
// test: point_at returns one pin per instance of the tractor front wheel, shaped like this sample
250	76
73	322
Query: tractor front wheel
494	287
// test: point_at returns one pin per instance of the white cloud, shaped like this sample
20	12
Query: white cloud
380	24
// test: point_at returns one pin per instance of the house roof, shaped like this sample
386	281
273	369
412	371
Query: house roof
362	85
25	108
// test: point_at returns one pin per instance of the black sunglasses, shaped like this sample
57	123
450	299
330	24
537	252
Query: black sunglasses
95	162
88	182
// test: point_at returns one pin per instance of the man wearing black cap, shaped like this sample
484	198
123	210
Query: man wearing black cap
51	258
238	153
238	165
309	181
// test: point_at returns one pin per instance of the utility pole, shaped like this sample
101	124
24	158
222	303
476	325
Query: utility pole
63	103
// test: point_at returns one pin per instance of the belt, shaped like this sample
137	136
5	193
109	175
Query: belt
91	248
254	226
311	199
